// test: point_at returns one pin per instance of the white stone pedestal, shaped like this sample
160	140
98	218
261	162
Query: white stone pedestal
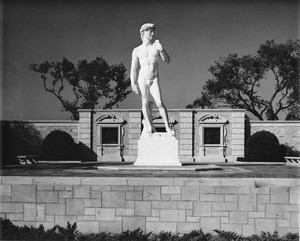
157	149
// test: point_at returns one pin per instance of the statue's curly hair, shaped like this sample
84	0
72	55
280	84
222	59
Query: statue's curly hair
146	27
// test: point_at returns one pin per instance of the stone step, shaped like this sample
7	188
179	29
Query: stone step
209	167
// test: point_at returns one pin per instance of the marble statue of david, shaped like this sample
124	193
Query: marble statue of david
144	76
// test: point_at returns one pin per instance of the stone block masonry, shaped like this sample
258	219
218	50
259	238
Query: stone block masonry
135	127
186	137
114	204
84	132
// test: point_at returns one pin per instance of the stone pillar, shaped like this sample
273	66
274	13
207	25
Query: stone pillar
84	130
186	137
238	136
135	120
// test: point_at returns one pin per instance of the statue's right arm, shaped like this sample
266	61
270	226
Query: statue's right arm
134	67
134	71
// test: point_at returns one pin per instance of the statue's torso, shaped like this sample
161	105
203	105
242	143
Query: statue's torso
148	59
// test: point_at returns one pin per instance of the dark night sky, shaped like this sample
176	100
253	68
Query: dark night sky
195	34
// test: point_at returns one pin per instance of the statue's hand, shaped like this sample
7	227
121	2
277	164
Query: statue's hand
158	45
136	89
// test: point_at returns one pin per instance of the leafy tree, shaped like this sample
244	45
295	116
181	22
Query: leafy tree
90	82
283	61
294	112
203	102
236	80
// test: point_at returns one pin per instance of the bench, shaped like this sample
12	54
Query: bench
292	160
28	159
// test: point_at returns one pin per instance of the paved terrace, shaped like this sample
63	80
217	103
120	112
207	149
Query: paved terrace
229	170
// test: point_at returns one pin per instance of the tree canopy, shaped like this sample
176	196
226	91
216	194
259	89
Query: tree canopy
237	79
90	82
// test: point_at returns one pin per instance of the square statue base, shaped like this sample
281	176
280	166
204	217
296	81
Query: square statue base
157	149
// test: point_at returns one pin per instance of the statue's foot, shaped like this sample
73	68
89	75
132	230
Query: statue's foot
150	129
153	130
170	131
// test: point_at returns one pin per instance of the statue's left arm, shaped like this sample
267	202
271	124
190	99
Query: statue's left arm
163	53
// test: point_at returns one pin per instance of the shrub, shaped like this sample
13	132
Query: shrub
58	145
135	235
289	151
263	146
9	231
227	236
197	235
166	236
18	138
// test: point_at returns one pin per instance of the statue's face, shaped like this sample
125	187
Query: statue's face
148	34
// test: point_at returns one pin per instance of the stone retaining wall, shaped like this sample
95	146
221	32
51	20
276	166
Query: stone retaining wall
114	204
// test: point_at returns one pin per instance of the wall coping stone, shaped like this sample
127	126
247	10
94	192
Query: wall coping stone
47	121
110	110
275	122
219	110
169	110
155	181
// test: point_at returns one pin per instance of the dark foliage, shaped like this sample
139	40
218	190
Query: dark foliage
97	237
286	150
70	232
227	236
135	235
294	111
18	138
196	235
9	231
201	102
58	145
84	153
263	146
266	236
167	236
292	236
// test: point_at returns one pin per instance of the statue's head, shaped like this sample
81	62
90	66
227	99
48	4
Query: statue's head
146	27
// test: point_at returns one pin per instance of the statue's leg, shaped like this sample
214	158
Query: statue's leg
151	116
146	107
156	93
